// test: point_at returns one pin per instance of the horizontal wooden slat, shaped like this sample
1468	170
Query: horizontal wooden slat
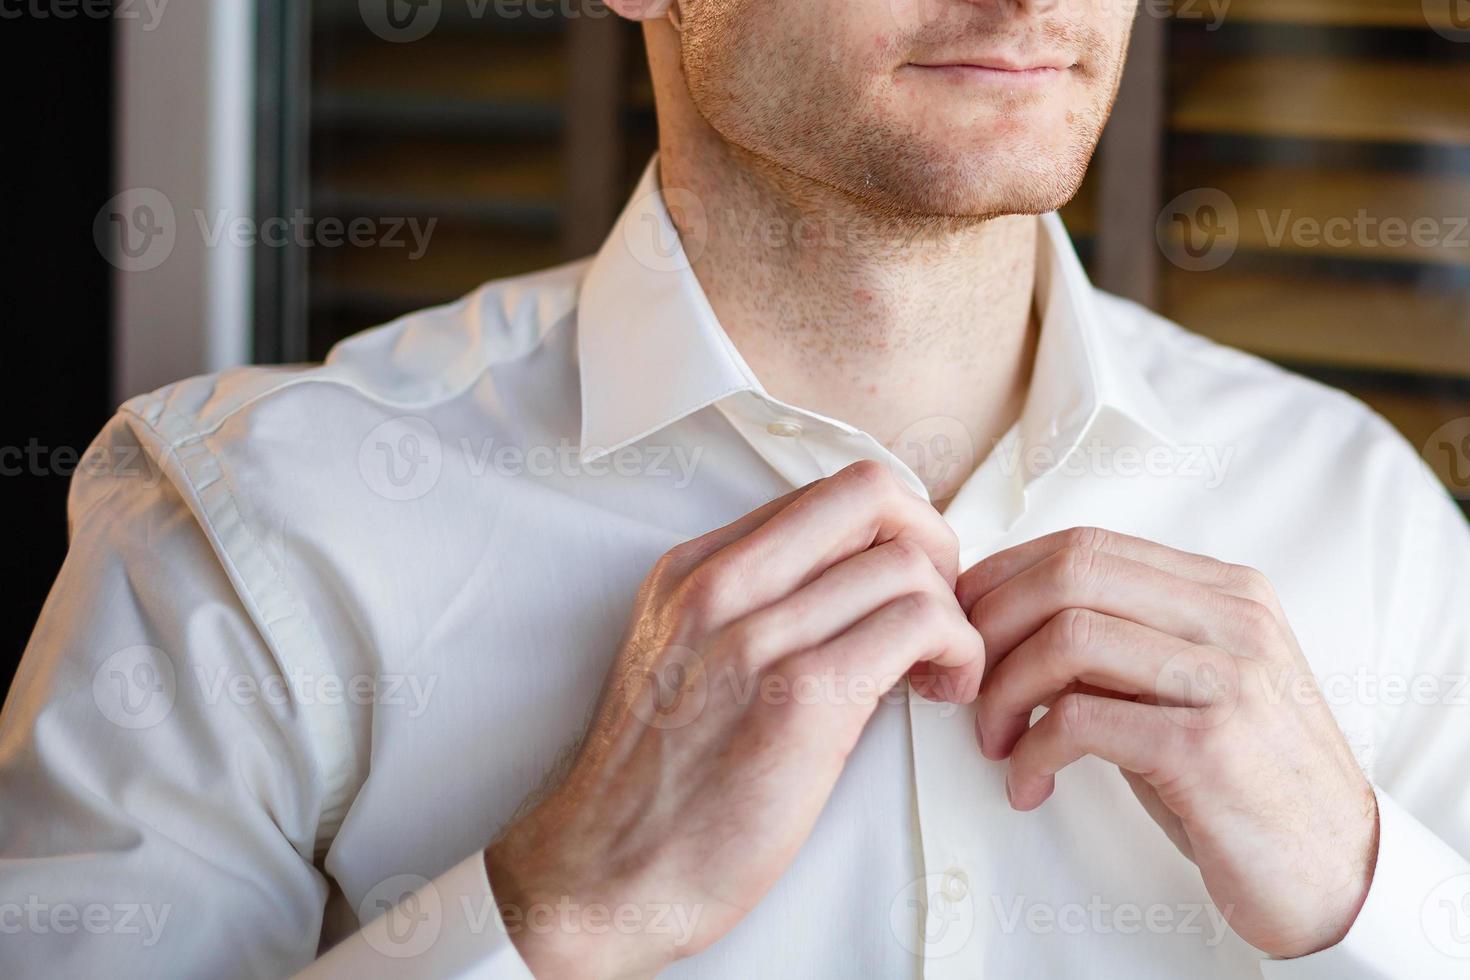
1336	13
463	16
1326	98
456	261
1328	321
464	69
380	112
516	182
1347	214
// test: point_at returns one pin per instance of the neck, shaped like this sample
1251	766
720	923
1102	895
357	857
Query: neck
912	329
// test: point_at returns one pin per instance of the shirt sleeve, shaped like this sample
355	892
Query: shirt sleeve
1415	923
164	798
448	927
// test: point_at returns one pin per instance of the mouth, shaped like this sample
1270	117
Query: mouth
997	70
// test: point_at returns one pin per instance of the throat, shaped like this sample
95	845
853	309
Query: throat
933	363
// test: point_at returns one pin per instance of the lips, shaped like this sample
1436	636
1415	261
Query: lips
1007	79
1000	64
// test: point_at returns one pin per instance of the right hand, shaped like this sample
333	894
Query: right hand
695	788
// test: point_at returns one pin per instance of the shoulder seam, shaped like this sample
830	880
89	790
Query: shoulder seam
145	407
284	624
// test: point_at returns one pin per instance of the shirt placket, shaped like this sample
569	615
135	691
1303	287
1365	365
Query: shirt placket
957	791
954	790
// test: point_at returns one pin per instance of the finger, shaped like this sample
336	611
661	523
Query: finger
1082	647
862	506
697	550
878	651
843	595
1085	579
1001	567
1137	738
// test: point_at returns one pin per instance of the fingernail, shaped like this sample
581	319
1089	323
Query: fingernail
1010	797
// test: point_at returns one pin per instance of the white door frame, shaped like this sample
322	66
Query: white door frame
184	175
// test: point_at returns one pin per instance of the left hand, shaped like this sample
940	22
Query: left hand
1183	672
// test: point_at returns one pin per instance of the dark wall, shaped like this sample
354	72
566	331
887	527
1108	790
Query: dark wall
55	301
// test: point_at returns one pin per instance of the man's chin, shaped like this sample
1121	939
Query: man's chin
977	192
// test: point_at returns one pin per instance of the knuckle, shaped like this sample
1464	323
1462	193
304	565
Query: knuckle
1252	679
870	474
702	593
673	564
748	645
779	718
981	614
1257	624
683	552
1207	748
1075	631
1220	675
970	638
1074	716
1251	583
923	608
1076	569
912	560
948	533
802	669
802	664
1086	538
1175	752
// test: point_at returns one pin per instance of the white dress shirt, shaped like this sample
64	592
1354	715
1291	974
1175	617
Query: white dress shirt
322	629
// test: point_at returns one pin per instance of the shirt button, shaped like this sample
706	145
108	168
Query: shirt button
956	884
785	429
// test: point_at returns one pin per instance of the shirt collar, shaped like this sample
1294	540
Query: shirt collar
1083	368
652	352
